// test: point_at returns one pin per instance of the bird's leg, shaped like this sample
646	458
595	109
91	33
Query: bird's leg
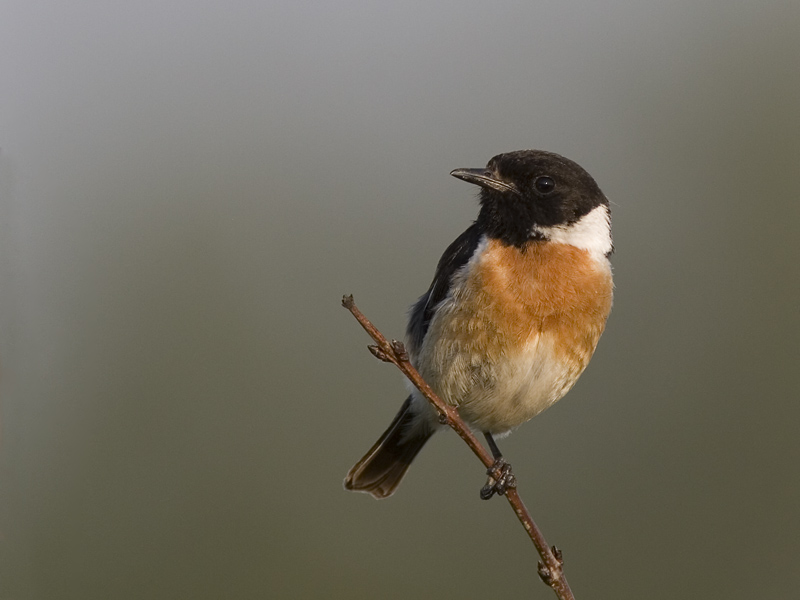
493	446
500	476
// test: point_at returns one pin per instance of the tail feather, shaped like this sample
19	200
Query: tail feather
381	469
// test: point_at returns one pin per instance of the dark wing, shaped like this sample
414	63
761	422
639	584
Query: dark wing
455	257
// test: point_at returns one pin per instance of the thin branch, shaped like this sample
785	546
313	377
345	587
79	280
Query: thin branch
551	566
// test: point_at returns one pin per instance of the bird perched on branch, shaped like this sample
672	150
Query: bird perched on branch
514	313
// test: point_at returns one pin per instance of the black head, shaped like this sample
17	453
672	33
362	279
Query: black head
525	193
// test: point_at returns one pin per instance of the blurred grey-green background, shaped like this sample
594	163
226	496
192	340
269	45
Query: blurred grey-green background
188	188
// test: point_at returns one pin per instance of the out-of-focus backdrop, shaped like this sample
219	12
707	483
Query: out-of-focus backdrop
188	188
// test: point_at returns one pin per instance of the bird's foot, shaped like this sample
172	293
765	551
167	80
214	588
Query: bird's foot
500	479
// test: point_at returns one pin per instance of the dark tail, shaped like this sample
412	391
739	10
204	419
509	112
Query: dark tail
382	468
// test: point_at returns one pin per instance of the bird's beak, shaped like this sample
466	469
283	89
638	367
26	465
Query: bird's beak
484	178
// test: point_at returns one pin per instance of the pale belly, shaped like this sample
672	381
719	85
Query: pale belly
496	382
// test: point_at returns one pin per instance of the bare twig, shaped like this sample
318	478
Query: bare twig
551	566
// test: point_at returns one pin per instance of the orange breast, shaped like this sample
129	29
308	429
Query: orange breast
516	331
547	288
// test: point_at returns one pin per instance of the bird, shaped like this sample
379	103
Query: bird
516	308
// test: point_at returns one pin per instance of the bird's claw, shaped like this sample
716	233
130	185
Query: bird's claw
500	479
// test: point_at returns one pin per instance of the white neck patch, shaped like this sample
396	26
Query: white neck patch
592	232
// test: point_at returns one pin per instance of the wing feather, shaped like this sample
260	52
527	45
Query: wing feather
455	257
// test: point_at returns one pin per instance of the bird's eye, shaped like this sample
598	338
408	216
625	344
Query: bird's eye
544	184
